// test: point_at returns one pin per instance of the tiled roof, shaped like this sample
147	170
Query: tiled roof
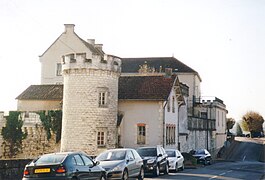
42	92
145	87
131	65
130	87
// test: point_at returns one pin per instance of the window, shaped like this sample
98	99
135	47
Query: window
103	97
168	105
78	160
141	131
88	162
59	69
130	155
170	134
101	138
204	115
173	104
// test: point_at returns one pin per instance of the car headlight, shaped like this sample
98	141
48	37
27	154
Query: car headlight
117	168
150	161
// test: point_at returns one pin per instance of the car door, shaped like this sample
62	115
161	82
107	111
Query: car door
80	169
131	164
94	171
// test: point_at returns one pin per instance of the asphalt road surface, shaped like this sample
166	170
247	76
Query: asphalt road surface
245	160
221	170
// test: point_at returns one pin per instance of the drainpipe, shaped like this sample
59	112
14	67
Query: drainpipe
164	122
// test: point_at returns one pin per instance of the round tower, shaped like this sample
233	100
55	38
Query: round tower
90	102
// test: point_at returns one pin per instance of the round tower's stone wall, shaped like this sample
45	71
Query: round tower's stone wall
83	115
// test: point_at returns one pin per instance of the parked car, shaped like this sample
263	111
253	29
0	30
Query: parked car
65	165
203	156
122	163
176	160
155	159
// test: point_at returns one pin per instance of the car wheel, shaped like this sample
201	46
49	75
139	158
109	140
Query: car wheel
182	168
141	174
125	175
156	171
166	169
205	162
103	177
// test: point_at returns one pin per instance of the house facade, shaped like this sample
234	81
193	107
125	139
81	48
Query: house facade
153	100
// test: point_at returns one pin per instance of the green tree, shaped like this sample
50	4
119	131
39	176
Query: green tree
230	122
52	122
12	132
253	121
239	131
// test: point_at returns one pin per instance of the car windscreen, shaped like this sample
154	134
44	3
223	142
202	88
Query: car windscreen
50	159
145	152
111	156
171	153
201	151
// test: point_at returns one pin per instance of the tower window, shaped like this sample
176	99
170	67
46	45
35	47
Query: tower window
103	97
101	138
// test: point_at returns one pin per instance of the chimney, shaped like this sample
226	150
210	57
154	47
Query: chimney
91	41
69	28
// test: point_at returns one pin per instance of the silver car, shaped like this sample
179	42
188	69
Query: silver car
122	163
176	160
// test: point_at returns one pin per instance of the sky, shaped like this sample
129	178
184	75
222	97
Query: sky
223	40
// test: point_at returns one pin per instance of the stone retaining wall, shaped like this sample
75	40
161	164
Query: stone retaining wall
12	169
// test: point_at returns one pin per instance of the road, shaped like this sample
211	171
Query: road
221	170
245	159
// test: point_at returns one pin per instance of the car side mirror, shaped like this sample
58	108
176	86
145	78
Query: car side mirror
159	155
97	163
178	156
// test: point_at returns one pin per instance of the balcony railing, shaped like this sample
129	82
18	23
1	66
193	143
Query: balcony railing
195	123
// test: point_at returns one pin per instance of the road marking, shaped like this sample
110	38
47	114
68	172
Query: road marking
222	174
213	177
230	171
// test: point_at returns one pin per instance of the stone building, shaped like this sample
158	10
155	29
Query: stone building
109	101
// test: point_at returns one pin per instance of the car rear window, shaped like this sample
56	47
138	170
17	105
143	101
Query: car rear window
145	152
50	159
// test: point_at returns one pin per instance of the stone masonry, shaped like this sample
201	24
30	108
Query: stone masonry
84	78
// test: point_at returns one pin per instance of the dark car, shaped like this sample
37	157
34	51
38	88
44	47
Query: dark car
155	160
65	165
203	156
122	163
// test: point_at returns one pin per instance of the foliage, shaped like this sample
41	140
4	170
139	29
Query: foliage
12	132
52	122
254	121
239	131
189	159
244	126
230	123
